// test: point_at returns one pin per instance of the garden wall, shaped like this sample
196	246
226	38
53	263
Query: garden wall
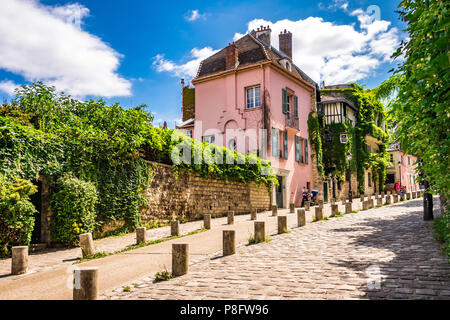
189	196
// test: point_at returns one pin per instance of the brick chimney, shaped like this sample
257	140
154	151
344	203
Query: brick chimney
263	34
232	53
286	43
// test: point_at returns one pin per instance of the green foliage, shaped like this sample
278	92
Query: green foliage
16	213
442	232
421	106
163	276
73	205
314	132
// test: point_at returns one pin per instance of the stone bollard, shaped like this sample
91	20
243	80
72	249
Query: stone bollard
254	214
361	198
408	196
348	207
365	205
403	197
301	217
87	245
207	221
229	242
19	261
282	224
321	204
395	196
141	235
180	259
260	231
388	199
291	208
334	210
370	203
379	202
175	228
307	205
274	211
383	194
319	213
85	284
230	217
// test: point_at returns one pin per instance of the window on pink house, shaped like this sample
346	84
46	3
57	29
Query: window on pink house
253	97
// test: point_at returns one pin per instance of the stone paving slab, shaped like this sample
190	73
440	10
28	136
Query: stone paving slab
381	253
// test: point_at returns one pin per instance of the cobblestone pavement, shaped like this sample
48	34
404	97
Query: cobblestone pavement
381	253
50	259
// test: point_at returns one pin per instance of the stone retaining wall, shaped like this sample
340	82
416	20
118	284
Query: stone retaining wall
189	196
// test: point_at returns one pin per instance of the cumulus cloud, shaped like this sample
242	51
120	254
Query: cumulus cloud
47	43
186	70
194	15
8	87
334	53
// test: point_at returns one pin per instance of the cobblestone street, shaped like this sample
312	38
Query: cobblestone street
381	253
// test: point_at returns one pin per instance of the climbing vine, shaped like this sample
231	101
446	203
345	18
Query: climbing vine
315	135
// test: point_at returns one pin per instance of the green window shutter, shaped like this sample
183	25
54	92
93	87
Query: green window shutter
285	145
284	94
295	107
306	151
297	148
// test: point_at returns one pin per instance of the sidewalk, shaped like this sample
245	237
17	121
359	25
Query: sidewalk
50	273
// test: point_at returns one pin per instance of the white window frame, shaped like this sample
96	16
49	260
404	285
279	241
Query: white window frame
209	139
255	99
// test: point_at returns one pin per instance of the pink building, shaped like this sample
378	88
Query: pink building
402	169
252	97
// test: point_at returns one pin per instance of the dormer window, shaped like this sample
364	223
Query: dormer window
286	64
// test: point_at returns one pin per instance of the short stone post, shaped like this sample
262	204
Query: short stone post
307	205
175	228
230	217
361	198
291	208
141	235
382	194
301	217
85	284
254	214
274	211
334	210
408	196
19	261
180	259
207	221
321	204
365	205
348	208
260	231
87	244
282	224
395	196
319	213
379	201
229	242
370	203
388	199
403	197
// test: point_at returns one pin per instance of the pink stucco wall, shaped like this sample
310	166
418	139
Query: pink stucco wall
221	104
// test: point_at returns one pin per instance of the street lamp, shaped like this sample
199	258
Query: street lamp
350	195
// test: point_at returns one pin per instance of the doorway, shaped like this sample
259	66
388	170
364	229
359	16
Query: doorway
36	200
279	192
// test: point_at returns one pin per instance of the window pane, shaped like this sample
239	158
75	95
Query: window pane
257	96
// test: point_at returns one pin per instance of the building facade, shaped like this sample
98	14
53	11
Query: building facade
251	97
402	170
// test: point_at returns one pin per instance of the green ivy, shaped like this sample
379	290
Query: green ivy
315	136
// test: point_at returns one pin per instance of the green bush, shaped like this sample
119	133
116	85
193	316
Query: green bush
73	204
16	213
442	232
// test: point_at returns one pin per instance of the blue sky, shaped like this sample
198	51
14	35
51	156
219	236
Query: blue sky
135	52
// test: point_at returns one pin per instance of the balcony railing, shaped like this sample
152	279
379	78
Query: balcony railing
292	122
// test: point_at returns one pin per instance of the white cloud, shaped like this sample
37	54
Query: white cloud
8	87
194	15
336	53
186	70
46	43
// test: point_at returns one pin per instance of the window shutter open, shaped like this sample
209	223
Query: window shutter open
295	107
284	94
285	145
297	148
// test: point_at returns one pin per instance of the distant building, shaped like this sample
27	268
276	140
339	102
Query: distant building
402	169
